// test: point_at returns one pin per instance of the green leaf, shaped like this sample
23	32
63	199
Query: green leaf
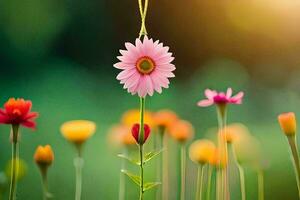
149	156
136	179
150	185
133	161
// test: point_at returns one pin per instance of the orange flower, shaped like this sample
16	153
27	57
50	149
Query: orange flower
288	123
44	156
18	112
121	134
165	118
78	131
182	131
131	117
202	151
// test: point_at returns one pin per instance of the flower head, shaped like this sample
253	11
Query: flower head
220	98
135	130
216	159
18	112
165	118
202	151
78	131
235	131
288	123
21	170
146	67
182	131
43	156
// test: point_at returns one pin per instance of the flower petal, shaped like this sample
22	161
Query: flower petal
205	103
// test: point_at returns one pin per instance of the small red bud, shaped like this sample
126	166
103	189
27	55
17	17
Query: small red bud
135	130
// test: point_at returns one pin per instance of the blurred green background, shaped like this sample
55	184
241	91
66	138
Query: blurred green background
59	54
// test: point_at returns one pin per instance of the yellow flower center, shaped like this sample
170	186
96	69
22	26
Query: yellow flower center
145	65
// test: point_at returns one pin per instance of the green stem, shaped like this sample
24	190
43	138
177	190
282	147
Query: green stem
46	194
183	169
141	173
218	184
122	185
294	150
260	179
199	182
165	192
242	182
159	138
222	117
14	162
78	163
141	139
209	175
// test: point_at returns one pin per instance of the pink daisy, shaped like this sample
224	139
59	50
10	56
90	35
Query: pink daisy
214	97
146	67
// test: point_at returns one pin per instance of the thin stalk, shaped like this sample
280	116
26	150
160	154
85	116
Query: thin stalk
295	154
242	182
199	182
143	13
183	170
141	173
46	194
260	179
159	138
122	183
222	117
209	175
14	162
78	163
218	184
165	192
141	139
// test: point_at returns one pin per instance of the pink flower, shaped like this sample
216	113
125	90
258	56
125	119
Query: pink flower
214	97
146	67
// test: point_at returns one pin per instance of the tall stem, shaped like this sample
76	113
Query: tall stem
222	117
159	138
46	194
242	182
14	162
122	185
209	175
260	179
295	154
199	182
165	192
78	163
183	170
141	139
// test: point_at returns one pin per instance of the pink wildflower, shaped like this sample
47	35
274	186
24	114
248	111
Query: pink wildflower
146	67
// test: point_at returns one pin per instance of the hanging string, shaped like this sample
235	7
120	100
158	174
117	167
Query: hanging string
143	13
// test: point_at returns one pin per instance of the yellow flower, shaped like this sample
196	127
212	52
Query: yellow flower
202	151
131	117
44	156
182	130
78	131
165	118
288	123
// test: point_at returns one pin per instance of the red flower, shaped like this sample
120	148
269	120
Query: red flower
135	130
17	112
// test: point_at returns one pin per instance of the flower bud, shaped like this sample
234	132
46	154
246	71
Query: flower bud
288	123
44	156
182	131
135	130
